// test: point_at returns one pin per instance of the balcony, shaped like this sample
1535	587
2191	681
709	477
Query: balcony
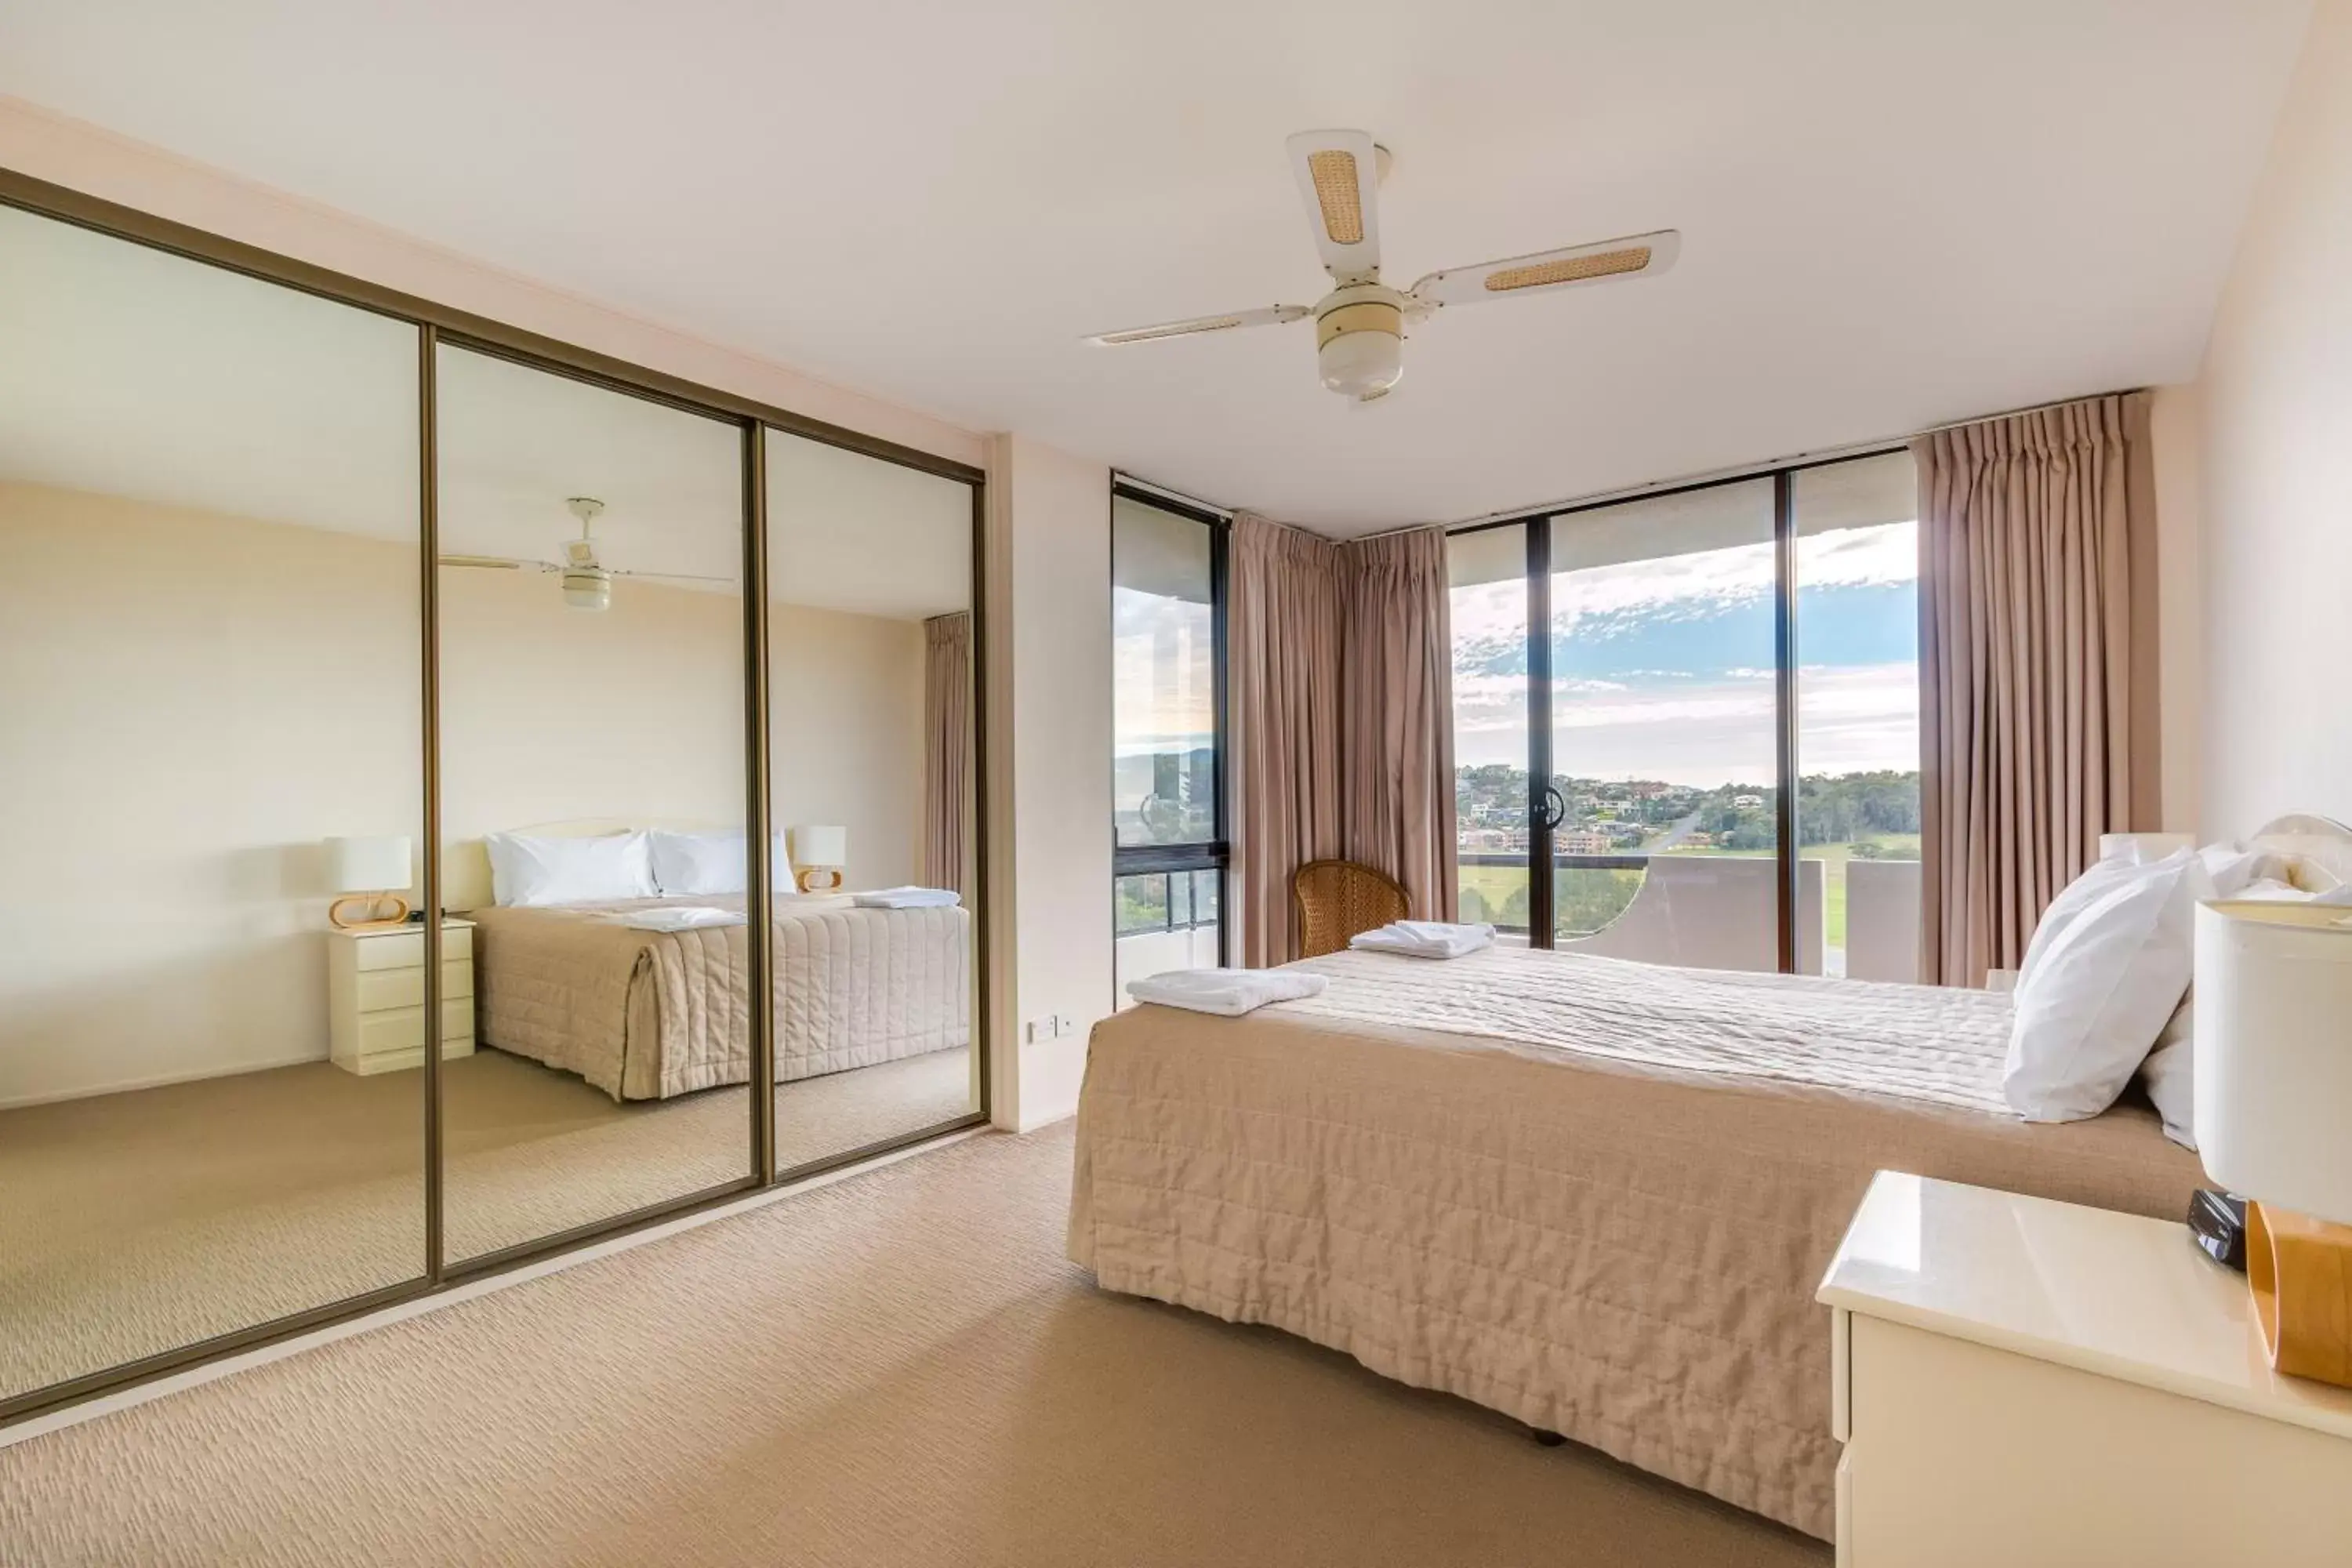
1855	918
1859	918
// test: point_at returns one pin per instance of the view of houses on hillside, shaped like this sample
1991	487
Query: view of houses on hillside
1858	816
1616	816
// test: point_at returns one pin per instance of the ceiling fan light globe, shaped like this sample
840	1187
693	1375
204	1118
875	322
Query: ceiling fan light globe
587	590
1361	364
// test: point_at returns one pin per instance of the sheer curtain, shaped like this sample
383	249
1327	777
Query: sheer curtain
1339	667
2037	667
947	748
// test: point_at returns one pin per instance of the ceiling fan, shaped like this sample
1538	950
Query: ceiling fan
587	583
1360	325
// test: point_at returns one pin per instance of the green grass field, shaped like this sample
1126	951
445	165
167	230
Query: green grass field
1495	885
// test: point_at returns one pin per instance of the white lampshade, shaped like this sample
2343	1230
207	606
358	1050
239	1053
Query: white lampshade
826	847
2273	1058
374	863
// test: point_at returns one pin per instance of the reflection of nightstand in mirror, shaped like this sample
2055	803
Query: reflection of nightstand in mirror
375	996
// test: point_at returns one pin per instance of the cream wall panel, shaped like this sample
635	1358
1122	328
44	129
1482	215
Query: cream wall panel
190	703
2277	468
2174	421
1050	715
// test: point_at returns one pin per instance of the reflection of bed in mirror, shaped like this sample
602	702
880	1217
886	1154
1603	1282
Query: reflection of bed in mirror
648	1014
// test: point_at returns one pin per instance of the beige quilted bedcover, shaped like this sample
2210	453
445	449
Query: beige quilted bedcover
1593	1195
647	1015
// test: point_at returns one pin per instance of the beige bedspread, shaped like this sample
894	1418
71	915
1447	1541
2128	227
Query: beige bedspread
1593	1195
646	1015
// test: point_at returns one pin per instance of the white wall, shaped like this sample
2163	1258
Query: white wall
1049	578
2277	470
2175	430
189	703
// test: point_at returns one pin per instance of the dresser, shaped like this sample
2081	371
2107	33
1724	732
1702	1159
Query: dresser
2018	1381
375	996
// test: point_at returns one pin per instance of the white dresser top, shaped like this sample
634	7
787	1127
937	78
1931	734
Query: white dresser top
2115	1294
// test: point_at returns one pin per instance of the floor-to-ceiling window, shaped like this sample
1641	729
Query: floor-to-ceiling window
1166	792
1636	684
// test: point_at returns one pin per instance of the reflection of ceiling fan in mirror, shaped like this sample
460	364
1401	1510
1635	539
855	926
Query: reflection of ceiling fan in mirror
1360	326
587	583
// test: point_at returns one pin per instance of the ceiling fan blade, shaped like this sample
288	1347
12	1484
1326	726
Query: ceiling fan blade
1636	255
1271	316
1339	179
667	577
498	564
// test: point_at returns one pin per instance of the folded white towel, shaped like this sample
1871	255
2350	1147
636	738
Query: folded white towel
1228	993
909	898
685	917
1426	938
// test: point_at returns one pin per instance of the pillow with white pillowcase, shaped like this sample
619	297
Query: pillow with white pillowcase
699	864
2169	1076
527	872
2100	990
2229	869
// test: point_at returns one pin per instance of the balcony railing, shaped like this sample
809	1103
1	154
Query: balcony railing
1722	911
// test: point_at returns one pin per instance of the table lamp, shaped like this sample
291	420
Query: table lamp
2272	1063
370	871
819	854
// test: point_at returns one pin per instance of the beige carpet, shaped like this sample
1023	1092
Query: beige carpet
136	1223
897	1369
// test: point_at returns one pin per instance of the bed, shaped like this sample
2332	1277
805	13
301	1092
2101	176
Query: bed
644	1015
1592	1194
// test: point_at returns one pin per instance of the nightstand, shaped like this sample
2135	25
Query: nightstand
375	996
2018	1381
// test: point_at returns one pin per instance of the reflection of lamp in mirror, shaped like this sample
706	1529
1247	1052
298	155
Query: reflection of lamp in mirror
373	872
819	854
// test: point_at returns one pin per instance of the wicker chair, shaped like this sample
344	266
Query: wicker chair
1336	900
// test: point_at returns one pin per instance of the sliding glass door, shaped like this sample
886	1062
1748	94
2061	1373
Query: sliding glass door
1857	717
1634	685
470	796
1167	681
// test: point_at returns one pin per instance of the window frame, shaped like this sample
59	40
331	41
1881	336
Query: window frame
1216	852
1538	525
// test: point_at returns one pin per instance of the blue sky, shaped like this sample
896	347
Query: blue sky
1663	669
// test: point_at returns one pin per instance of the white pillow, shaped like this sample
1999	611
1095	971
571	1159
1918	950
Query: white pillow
2102	878
696	862
2171	1078
2234	869
529	872
2100	990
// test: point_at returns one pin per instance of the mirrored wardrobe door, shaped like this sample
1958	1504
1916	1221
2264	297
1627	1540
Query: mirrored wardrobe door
596	1025
873	778
210	732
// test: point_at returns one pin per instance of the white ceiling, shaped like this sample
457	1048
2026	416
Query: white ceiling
1893	214
128	372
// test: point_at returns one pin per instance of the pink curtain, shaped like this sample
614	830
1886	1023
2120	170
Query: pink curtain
1397	716
1339	667
947	750
2037	667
